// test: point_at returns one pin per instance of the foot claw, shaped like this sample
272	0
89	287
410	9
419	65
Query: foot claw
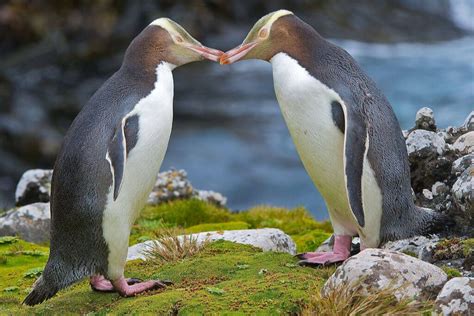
301	256
132	281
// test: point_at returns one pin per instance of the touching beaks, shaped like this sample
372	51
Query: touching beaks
237	53
206	52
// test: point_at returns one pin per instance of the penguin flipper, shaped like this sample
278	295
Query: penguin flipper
354	155
124	140
117	156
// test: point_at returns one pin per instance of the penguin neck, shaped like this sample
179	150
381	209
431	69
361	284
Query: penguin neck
146	73
302	43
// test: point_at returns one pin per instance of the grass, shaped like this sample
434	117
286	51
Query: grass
451	272
348	300
454	248
168	246
198	216
222	277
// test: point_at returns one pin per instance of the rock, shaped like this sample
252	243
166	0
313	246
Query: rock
30	222
469	122
463	192
427	171
268	239
427	194
425	119
405	133
378	269
174	184
211	197
424	144
456	297
439	188
452	133
461	164
419	246
464	144
34	186
171	185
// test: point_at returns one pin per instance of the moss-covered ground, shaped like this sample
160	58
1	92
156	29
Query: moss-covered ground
224	278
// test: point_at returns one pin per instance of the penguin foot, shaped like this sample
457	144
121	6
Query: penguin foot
341	251
126	290
100	284
308	255
316	259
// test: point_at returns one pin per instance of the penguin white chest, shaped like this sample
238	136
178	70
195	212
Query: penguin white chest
155	116
305	104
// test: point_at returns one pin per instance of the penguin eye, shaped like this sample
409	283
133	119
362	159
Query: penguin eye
179	39
263	33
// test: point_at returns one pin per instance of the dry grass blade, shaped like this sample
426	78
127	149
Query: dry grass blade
173	244
351	301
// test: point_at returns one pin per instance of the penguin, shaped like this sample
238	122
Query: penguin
345	132
108	164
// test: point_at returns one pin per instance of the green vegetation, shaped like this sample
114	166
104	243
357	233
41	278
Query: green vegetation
454	248
451	272
197	216
219	277
223	277
167	246
351	300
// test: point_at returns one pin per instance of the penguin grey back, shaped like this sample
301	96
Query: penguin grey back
387	153
82	177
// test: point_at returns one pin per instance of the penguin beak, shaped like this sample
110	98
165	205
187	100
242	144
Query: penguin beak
237	53
206	52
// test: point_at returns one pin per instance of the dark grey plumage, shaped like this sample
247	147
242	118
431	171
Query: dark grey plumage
81	180
369	112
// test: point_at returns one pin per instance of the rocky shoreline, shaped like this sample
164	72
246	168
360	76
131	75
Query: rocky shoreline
442	168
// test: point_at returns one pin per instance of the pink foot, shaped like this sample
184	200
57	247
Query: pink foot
126	290
100	284
341	251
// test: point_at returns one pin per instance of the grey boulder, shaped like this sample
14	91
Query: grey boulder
377	269
464	144
267	239
34	186
424	144
30	222
461	164
425	119
463	192
469	122
456	297
420	246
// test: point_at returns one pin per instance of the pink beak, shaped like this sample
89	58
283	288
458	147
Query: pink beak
236	54
206	52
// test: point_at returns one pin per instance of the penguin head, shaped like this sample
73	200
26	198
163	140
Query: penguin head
266	38
166	41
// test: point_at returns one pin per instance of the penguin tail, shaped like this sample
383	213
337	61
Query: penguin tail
54	278
438	223
41	292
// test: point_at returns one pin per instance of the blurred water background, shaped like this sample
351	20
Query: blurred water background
228	132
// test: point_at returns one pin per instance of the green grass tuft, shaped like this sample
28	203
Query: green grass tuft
451	272
351	300
217	227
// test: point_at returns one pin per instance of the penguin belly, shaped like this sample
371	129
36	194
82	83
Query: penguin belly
155	116
306	107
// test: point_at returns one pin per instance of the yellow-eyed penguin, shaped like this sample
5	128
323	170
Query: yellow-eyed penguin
345	132
108	164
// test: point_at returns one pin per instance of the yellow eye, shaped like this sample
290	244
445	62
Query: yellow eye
179	39
263	33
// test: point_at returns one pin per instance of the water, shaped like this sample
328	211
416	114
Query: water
230	136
